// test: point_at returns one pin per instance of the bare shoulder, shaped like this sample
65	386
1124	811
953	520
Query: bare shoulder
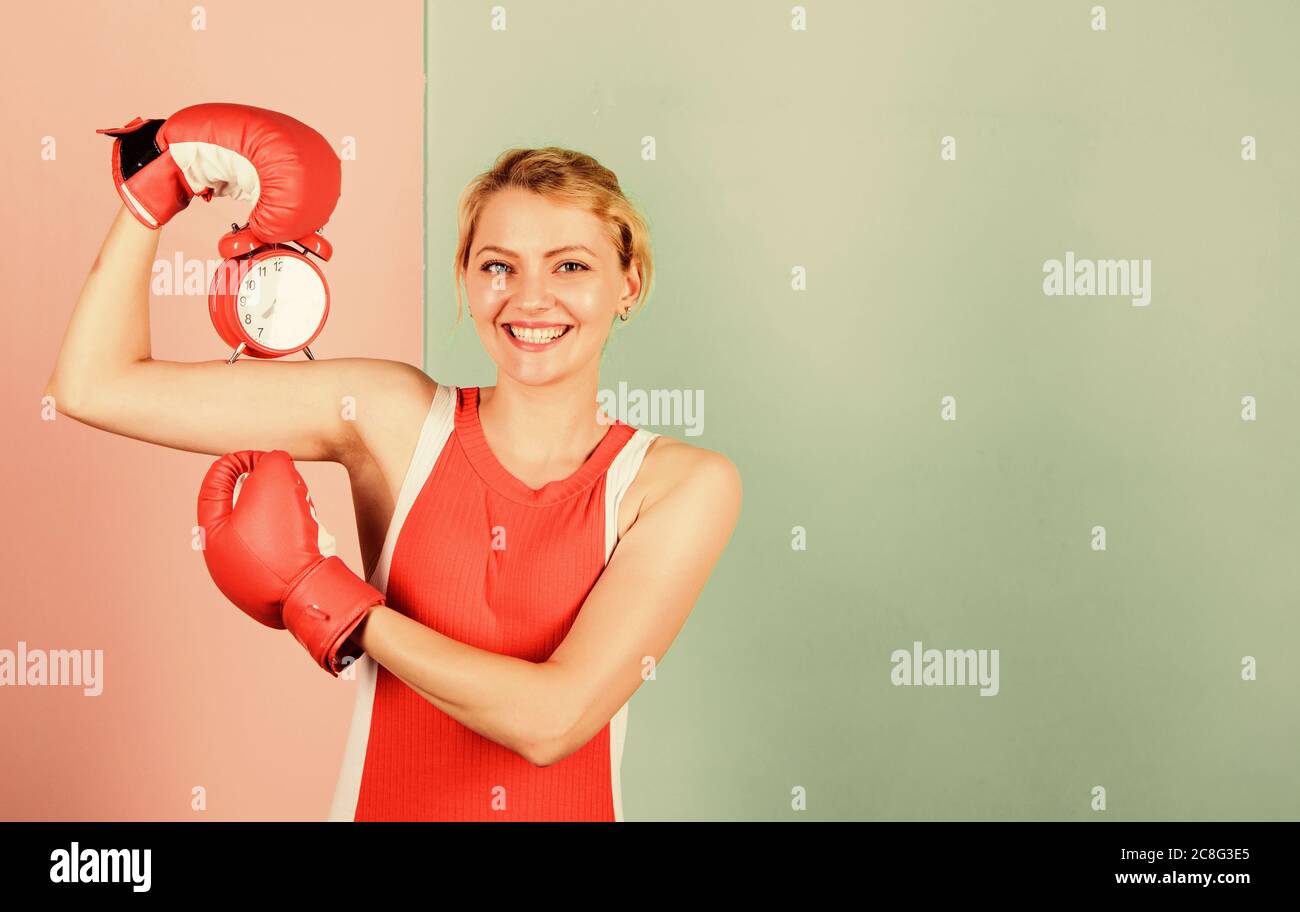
676	469
689	506
395	378
384	404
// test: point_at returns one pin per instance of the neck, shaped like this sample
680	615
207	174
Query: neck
542	426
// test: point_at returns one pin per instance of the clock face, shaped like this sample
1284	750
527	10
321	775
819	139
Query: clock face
281	302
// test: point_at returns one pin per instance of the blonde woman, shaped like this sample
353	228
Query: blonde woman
531	557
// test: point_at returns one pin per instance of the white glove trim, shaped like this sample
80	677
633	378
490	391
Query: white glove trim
135	204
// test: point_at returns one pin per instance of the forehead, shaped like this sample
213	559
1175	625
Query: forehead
520	220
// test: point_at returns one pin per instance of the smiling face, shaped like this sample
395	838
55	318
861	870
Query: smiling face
544	284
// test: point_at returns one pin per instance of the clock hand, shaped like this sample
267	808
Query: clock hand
269	309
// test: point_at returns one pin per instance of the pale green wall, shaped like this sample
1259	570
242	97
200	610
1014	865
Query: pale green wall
778	148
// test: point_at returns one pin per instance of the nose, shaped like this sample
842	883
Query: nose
534	292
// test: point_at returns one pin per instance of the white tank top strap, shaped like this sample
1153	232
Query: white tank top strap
434	433
618	478
438	425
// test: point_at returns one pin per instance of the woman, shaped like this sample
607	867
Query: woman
495	680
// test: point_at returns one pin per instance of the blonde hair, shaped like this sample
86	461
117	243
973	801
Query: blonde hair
562	176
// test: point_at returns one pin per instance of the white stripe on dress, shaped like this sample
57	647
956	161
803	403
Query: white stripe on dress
618	479
438	424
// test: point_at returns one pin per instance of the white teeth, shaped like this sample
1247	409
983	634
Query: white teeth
537	335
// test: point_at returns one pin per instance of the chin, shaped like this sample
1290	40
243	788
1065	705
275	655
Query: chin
529	375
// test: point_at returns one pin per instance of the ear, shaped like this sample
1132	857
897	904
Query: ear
632	283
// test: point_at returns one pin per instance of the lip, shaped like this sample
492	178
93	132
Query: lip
532	324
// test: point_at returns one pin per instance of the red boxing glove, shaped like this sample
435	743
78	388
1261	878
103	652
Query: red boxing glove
281	165
260	545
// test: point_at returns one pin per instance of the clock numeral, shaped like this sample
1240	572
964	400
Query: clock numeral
248	319
261	270
250	284
243	301
259	331
279	264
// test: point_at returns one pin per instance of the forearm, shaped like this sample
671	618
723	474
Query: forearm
109	328
519	704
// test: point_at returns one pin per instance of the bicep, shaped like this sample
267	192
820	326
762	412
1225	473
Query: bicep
646	592
314	410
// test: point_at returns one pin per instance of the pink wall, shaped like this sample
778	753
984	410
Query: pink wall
96	532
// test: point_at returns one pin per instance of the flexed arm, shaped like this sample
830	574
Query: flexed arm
106	376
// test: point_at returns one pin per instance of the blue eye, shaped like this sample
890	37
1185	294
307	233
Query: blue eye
488	267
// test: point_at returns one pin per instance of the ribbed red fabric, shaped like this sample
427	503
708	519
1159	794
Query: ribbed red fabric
520	600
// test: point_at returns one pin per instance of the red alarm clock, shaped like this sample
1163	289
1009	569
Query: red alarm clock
269	300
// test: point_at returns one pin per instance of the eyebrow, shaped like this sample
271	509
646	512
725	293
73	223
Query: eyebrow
546	256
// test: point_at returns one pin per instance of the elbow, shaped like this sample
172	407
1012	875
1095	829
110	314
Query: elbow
547	753
547	756
544	750
55	392
80	393
537	755
67	398
550	739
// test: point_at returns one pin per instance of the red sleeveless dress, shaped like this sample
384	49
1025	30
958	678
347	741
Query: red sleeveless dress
477	555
